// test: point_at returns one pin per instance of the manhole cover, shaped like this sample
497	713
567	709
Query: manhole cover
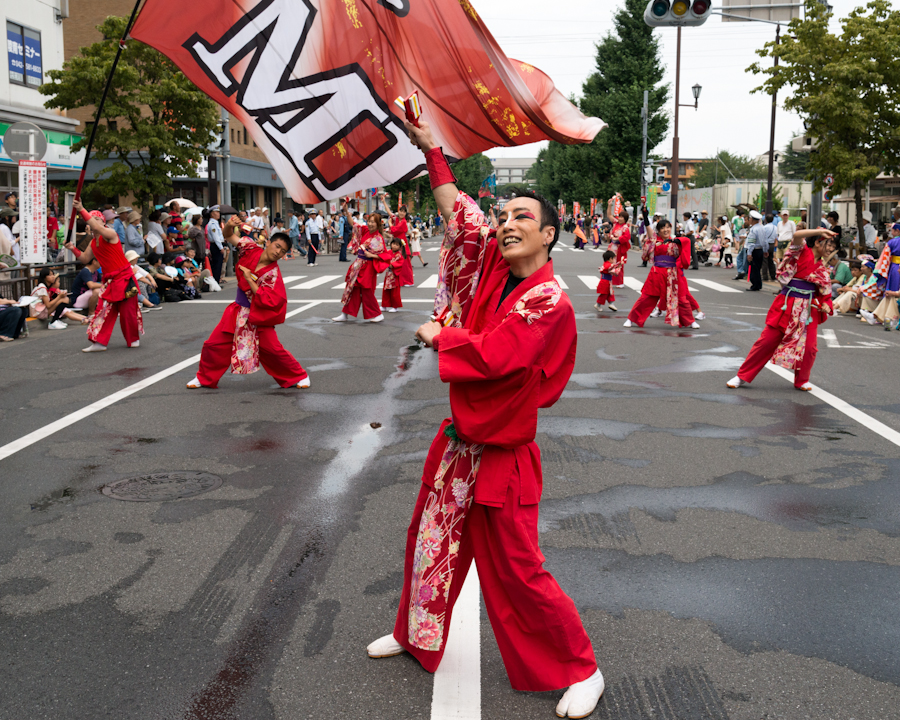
162	486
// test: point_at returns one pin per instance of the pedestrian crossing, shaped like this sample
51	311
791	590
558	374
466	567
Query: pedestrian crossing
431	282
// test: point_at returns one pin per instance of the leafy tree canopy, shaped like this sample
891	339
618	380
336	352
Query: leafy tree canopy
844	86
156	124
470	173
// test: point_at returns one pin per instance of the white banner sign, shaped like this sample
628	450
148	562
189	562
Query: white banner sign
33	210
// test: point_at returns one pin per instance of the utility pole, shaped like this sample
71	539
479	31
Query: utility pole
645	111
769	204
673	203
225	170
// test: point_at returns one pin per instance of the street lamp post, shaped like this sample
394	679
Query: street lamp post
696	92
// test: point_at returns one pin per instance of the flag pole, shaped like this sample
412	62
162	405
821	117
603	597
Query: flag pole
90	145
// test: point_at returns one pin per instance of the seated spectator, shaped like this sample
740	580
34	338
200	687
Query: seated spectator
52	302
157	271
12	320
840	274
196	269
86	286
144	282
189	279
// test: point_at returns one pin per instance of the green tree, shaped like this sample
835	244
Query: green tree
794	164
844	86
741	166
763	194
627	63
470	173
156	124
510	189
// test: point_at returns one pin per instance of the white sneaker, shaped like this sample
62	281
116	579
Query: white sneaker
613	307
581	698
695	326
95	347
343	317
57	325
700	315
392	309
193	384
627	323
384	647
806	387
870	318
136	343
304	383
735	382
656	312
598	307
378	318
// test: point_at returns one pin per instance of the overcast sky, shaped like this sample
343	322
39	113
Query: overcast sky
559	38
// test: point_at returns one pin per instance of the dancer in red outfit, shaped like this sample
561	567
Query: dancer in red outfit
789	337
506	347
604	287
372	258
663	282
620	243
400	230
245	337
390	296
118	296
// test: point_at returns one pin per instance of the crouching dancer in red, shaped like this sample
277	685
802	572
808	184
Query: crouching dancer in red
789	337
245	337
119	294
506	341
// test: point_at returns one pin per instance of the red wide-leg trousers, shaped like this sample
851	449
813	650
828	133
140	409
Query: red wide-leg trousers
365	297
765	346
542	641
215	358
653	292
127	312
391	298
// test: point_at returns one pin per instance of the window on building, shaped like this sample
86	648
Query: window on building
232	134
245	136
23	51
682	169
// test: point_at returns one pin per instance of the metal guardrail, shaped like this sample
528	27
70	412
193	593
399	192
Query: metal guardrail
19	281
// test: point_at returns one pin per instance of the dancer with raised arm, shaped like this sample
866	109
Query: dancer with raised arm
245	337
620	244
789	337
119	294
506	341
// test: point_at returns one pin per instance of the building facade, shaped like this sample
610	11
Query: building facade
34	45
512	170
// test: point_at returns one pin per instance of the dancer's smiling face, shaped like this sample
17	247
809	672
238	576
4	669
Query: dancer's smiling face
519	234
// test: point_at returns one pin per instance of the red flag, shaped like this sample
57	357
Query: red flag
314	82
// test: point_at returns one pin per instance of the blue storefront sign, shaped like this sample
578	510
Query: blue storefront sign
33	72
15	49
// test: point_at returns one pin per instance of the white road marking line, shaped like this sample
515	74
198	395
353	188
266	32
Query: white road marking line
589	280
830	338
457	682
31	438
315	282
431	282
576	249
634	283
433	249
562	283
288	279
714	286
691	290
862	418
64	422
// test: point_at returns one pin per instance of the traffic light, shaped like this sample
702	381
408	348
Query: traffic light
648	174
660	174
670	13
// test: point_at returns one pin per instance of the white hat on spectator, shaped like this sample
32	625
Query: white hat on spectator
131	256
785	212
867	215
755	215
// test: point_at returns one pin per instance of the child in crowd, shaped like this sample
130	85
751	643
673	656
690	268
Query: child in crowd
53	303
390	297
846	297
415	245
145	283
193	267
605	294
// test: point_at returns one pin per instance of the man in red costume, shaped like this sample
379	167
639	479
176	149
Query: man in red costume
506	347
789	337
119	294
245	337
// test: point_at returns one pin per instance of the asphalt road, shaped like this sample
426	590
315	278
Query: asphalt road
734	554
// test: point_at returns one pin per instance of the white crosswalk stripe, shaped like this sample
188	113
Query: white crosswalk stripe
714	286
315	282
562	283
589	280
431	282
432	249
288	279
633	283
